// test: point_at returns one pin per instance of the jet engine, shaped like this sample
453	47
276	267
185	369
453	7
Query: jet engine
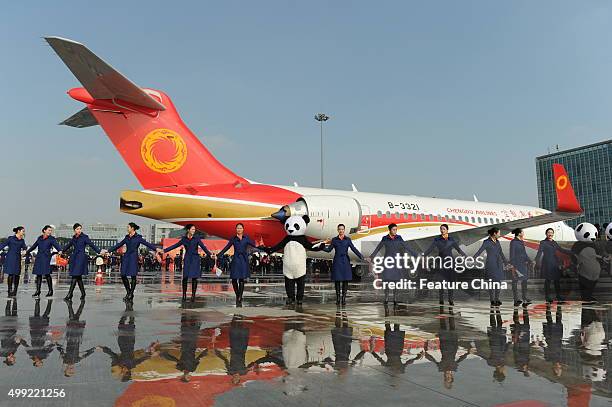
325	213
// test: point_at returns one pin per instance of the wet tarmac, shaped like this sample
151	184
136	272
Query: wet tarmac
159	352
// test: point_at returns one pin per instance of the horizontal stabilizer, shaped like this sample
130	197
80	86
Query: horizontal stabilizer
82	118
101	80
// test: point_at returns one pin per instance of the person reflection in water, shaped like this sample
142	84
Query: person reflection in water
449	346
553	333
75	328
498	345
342	338
125	361
188	361
521	341
40	346
239	342
394	347
9	340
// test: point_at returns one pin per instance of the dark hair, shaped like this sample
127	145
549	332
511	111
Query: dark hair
17	229
134	226
340	224
553	230
517	231
189	226
444	225
46	227
76	225
239	224
492	231
391	226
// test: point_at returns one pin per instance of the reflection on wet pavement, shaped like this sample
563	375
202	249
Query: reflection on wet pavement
157	352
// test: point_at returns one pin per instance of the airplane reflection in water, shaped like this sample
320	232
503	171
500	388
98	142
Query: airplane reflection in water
202	356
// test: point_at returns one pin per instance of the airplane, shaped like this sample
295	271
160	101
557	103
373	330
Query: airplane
184	183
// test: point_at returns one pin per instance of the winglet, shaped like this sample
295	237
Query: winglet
566	198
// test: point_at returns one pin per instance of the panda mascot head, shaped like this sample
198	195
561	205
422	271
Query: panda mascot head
609	231
586	232
296	225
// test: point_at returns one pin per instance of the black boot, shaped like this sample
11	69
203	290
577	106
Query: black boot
38	284
441	297
344	291
337	286
241	289
185	281
132	289
9	284
15	285
126	284
194	289
81	287
50	285
68	297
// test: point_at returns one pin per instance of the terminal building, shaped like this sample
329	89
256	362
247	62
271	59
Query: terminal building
590	171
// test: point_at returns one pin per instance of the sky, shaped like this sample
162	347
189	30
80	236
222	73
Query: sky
437	98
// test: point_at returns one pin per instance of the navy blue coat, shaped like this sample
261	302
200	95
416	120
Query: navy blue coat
129	261
551	265
191	266
240	262
495	259
445	249
78	259
519	258
341	266
12	262
393	247
42	265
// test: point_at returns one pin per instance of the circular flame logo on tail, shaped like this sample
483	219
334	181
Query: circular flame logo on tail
562	182
163	150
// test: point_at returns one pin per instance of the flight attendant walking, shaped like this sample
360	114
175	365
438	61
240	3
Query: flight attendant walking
191	266
341	265
42	265
129	261
12	262
495	262
78	259
239	268
445	245
521	263
547	261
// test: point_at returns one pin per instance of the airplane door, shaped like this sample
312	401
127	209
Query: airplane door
366	220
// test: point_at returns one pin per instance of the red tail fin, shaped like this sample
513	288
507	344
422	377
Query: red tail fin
566	198
143	124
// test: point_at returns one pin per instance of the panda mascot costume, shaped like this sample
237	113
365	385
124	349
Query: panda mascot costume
587	259
294	247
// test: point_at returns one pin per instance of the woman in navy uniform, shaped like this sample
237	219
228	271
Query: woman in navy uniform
42	265
191	268
445	245
393	245
495	262
78	259
129	261
521	263
239	268
341	265
12	263
547	261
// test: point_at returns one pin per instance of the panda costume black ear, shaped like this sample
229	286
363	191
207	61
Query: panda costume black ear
306	219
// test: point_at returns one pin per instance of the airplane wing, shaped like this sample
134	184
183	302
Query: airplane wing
82	118
568	208
101	80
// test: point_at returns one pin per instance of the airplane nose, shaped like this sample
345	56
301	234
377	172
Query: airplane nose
282	214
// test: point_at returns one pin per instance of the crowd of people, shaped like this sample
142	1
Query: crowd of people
591	253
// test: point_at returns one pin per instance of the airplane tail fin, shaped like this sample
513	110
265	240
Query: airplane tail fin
143	124
566	198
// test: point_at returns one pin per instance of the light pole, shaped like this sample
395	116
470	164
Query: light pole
321	117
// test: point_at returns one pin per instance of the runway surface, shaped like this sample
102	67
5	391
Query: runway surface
159	352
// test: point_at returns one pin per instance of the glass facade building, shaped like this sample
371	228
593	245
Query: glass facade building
590	172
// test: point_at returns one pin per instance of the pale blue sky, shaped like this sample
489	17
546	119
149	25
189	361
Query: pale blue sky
434	98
